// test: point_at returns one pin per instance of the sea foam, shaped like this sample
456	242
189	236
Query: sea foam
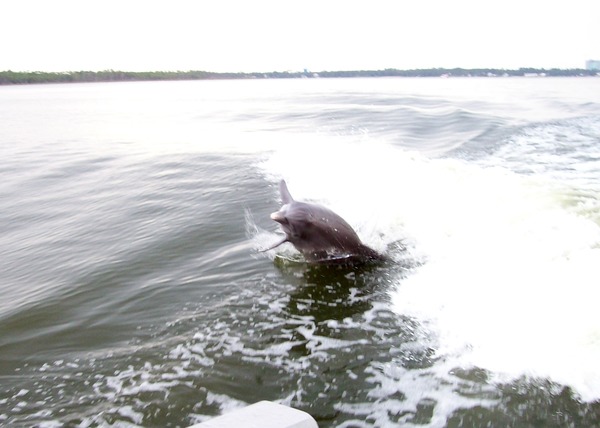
508	272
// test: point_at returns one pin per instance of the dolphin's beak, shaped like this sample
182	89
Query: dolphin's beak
284	239
278	217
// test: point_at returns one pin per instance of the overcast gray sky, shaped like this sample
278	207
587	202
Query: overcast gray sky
268	35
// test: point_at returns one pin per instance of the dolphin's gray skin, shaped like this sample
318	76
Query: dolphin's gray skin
317	232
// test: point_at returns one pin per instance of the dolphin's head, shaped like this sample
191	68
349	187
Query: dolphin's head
285	216
316	231
312	229
305	228
293	219
279	217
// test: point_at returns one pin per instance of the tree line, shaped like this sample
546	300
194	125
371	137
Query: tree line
28	77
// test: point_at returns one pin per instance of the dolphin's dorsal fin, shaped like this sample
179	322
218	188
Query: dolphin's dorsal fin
286	197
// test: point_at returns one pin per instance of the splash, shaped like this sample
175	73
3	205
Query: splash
509	271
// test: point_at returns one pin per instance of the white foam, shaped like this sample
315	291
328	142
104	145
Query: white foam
128	412
400	391
510	272
509	280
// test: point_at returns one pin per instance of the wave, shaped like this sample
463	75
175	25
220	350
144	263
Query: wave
159	314
507	267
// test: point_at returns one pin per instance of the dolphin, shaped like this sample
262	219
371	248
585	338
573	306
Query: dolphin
317	232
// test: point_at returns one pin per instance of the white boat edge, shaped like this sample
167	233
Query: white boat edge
264	414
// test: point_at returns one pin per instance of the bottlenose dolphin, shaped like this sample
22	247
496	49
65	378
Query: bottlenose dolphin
317	232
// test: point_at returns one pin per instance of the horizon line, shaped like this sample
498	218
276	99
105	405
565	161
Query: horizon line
305	70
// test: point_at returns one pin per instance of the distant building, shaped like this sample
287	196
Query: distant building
592	64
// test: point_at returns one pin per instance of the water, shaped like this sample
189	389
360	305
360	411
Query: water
134	293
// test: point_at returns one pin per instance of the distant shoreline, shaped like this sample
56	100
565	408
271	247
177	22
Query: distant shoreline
31	77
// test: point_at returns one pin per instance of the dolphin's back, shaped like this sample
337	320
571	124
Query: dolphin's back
316	231
316	228
328	222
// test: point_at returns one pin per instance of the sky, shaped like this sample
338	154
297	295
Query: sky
280	35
